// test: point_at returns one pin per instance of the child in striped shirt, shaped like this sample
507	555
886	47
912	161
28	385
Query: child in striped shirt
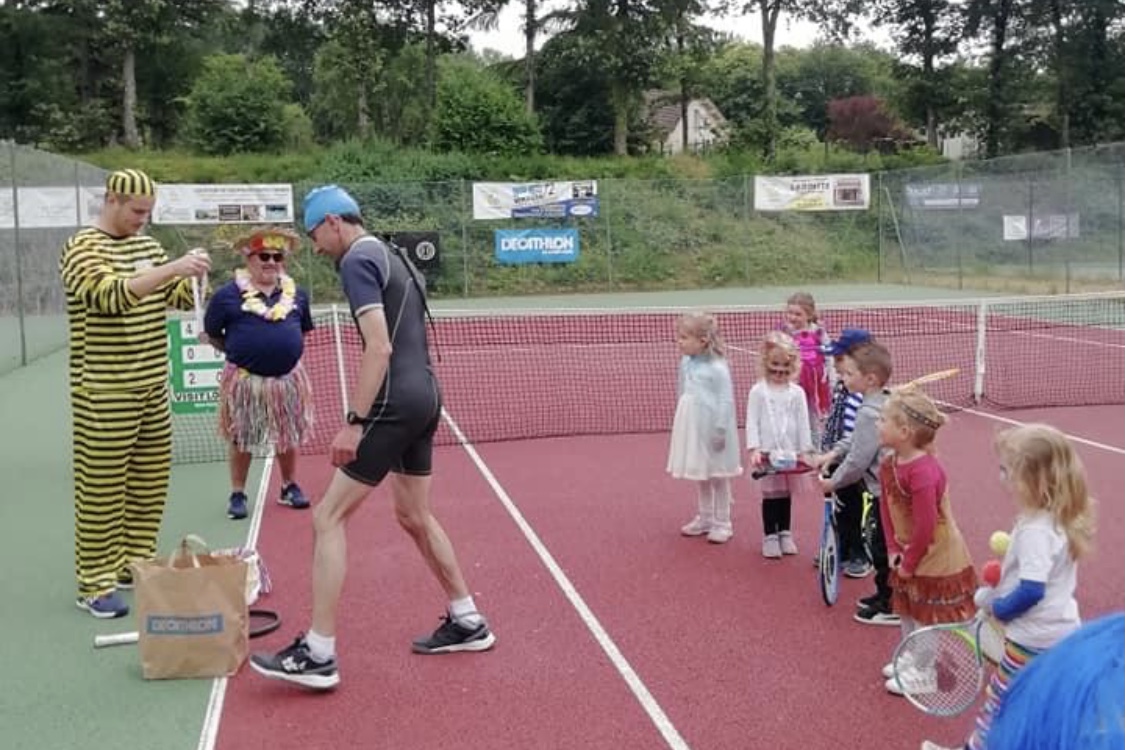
840	423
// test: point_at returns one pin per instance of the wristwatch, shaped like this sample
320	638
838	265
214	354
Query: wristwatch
353	417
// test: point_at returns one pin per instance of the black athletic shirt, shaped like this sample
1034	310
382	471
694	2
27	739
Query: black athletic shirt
375	276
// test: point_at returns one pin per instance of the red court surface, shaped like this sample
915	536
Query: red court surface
726	649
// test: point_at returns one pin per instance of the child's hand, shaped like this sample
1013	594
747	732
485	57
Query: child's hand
826	484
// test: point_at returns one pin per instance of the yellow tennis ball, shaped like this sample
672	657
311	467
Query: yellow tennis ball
999	542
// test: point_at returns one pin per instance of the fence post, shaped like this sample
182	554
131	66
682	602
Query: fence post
746	221
464	244
879	227
960	227
19	256
1030	226
1121	221
608	240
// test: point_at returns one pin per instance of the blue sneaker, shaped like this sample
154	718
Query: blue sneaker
292	496
104	607
236	509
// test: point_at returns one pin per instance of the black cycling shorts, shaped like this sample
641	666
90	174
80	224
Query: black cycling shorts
402	442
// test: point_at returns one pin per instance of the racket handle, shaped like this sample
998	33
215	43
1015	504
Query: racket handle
115	639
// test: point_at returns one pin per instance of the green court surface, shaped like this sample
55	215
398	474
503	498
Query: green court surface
57	691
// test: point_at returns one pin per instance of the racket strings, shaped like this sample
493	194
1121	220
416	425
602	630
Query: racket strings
940	670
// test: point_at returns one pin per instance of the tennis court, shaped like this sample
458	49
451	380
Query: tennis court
613	630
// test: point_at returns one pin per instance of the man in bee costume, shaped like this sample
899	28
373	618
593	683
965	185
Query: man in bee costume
119	283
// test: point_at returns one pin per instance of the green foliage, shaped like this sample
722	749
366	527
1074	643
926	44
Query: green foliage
237	105
478	112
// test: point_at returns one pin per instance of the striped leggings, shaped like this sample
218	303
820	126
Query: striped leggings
1015	658
122	462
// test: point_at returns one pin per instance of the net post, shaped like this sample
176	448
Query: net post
982	327
338	343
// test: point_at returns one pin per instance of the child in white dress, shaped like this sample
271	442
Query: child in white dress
777	423
704	445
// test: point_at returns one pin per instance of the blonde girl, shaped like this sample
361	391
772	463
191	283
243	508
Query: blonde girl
777	422
1053	530
704	445
803	325
932	575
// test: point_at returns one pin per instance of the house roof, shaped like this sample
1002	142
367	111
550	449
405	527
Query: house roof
663	109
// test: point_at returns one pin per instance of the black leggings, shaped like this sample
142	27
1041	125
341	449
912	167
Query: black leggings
776	514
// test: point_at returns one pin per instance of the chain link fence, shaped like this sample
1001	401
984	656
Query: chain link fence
1052	218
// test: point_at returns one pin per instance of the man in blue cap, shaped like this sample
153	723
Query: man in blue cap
396	407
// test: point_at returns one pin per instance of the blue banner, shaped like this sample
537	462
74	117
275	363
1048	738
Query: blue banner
514	246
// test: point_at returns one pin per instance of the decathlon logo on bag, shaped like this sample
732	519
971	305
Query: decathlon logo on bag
172	625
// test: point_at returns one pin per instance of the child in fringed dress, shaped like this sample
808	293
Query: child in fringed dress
704	444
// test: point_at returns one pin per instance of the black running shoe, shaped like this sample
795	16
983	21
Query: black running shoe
450	637
294	664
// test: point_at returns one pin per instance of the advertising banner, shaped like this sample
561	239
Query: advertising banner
539	200
834	192
518	246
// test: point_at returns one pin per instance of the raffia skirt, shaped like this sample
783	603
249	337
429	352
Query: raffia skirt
255	411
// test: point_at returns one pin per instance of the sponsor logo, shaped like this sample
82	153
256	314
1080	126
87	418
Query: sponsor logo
174	625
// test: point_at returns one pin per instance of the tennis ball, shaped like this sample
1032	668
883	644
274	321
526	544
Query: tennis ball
990	573
999	542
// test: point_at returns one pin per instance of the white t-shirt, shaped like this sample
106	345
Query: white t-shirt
1038	552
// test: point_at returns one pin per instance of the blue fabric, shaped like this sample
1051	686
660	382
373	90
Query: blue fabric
329	199
1025	596
264	347
849	337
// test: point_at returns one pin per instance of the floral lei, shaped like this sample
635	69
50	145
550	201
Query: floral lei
252	298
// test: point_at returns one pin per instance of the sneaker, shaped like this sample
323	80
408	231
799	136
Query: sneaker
451	637
697	527
104	607
125	581
927	745
720	533
788	546
292	496
857	569
295	664
914	681
868	601
236	508
771	547
876	615
905	661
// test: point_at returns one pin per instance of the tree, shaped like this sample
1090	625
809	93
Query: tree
238	105
996	18
862	122
926	31
478	112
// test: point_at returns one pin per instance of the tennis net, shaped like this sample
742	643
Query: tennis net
525	374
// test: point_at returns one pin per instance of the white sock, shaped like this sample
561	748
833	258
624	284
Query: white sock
321	647
464	612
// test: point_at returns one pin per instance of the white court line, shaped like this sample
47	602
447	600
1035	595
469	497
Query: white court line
1086	342
1017	423
644	697
210	732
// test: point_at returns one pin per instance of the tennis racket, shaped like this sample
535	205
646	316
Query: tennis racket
779	465
828	562
933	377
940	668
262	622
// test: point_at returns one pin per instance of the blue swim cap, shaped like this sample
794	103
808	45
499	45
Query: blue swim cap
325	200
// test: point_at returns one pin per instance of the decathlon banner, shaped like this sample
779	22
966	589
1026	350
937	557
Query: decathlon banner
515	246
833	192
539	200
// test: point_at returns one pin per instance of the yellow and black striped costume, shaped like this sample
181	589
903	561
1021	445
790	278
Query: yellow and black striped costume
119	397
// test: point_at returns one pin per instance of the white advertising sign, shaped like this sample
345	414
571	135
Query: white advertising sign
535	200
834	192
47	207
223	204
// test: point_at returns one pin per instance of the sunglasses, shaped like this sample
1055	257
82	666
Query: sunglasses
275	257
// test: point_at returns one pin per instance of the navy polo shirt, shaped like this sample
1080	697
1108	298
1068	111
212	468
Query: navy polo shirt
269	348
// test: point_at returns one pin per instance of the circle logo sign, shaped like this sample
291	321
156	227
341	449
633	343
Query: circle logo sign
425	250
581	209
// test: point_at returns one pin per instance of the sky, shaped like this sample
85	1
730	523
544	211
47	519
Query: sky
508	38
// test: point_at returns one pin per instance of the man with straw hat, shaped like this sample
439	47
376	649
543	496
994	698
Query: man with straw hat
119	283
259	319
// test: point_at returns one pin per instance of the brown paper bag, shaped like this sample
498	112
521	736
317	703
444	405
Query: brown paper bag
192	616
